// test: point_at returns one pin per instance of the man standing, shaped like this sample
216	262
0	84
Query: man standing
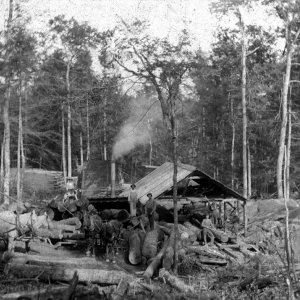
207	225
132	199
150	208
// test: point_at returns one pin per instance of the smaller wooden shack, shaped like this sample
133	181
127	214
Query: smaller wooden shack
194	187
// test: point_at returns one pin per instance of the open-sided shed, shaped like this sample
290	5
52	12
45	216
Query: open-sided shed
193	184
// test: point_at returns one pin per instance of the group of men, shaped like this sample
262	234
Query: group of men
135	206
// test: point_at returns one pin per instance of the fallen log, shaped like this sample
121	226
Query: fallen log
175	282
71	221
155	263
210	261
219	235
49	233
54	292
192	227
203	250
135	255
44	260
149	249
58	293
120	291
63	227
168	256
62	273
69	293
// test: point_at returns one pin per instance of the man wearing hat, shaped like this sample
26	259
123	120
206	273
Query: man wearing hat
132	199
150	208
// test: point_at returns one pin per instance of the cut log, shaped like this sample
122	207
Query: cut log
204	250
135	255
63	227
69	293
62	273
175	282
58	293
47	260
120	291
49	233
191	227
71	221
54	292
219	235
168	256
155	262
149	249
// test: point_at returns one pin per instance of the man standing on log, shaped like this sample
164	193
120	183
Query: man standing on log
207	225
150	208
132	199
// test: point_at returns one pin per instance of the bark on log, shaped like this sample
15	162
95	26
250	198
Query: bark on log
175	282
155	262
61	273
69	293
63	227
149	249
191	227
135	255
71	221
205	251
49	233
120	291
58	293
54	292
219	235
168	256
63	260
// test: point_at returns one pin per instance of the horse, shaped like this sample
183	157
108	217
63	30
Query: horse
13	225
102	234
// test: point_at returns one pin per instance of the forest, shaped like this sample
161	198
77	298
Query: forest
71	93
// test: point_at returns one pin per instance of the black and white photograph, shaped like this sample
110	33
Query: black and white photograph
149	149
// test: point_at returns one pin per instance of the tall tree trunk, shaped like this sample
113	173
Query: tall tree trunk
283	121
63	143
150	140
174	148
104	129
6	119
88	146
69	148
244	107
232	143
81	148
249	192
2	167
6	148
288	150
19	195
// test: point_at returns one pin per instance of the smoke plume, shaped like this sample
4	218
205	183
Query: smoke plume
137	129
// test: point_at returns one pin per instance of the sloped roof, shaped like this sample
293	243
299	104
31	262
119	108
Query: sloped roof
161	180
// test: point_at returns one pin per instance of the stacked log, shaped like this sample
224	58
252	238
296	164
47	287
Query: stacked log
149	249
135	255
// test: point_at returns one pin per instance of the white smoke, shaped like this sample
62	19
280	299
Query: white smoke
137	129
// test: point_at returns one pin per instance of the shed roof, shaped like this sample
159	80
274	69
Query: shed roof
161	180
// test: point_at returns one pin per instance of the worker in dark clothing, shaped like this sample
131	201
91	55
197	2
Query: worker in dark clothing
207	225
215	216
150	208
235	224
92	224
132	199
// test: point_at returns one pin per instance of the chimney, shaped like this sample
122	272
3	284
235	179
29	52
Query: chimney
113	177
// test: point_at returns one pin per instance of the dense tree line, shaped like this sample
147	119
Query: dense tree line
175	102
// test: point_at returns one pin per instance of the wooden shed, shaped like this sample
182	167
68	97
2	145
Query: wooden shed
193	186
